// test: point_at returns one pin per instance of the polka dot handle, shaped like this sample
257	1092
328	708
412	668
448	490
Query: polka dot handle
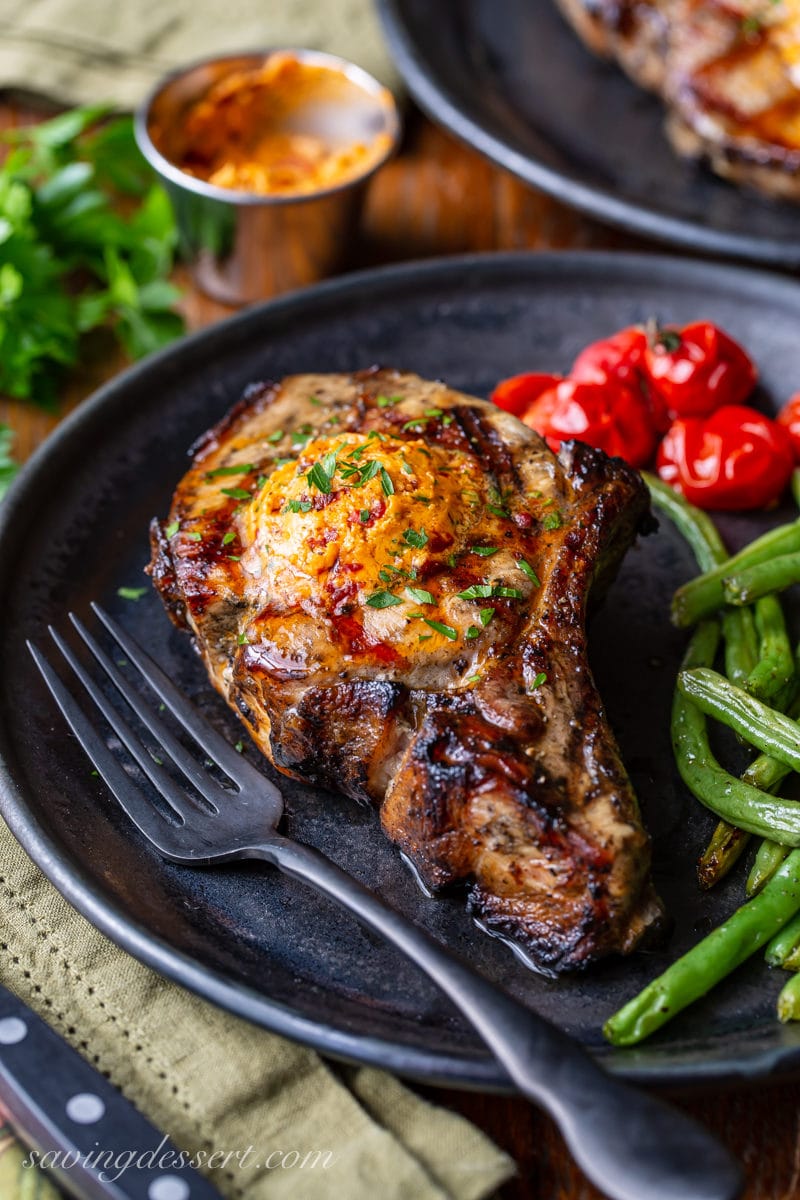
60	1104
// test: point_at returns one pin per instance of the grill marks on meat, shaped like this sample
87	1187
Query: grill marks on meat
728	71
483	772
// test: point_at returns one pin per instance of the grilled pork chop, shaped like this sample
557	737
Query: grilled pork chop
729	71
387	580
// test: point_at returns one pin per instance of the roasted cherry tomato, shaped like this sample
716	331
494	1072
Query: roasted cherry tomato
609	415
735	458
622	357
697	369
617	357
518	393
789	418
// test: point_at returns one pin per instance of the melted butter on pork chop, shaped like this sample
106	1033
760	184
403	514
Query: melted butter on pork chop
372	555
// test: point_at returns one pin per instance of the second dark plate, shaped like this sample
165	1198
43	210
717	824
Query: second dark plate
512	79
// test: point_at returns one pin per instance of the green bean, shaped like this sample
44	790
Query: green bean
741	644
776	667
704	595
755	923
734	800
723	851
769	857
766	728
789	1000
728	841
774	576
696	526
784	942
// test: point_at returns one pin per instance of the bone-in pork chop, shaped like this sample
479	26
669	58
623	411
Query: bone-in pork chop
388	581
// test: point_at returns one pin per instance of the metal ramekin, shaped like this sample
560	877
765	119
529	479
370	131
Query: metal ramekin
243	246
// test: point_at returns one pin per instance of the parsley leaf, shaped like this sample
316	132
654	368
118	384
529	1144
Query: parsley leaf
8	468
415	538
421	595
445	630
383	600
236	469
131	593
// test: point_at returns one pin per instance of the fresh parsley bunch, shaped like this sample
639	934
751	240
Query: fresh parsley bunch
86	240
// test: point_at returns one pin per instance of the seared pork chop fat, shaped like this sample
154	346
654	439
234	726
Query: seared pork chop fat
387	580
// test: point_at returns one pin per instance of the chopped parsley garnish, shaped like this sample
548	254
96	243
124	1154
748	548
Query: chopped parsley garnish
417	423
485	551
320	477
451	560
262	479
364	516
302	435
498	510
237	493
314	400
478	591
236	469
447	420
234	558
298	506
472	632
552	521
229	537
528	570
242	639
445	630
386	482
538	680
485	616
421	595
239	747
388	401
128	593
422	499
172	529
415	538
364	473
433	412
472	678
275	437
195	537
383	600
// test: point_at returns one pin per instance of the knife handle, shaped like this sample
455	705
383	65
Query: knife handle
62	1107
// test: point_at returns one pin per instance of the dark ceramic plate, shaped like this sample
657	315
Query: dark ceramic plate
75	528
512	79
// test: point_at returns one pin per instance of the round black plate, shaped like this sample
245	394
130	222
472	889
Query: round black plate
74	528
513	80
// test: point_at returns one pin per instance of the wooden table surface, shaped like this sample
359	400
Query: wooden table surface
438	197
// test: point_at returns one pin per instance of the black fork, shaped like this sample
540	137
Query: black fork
630	1144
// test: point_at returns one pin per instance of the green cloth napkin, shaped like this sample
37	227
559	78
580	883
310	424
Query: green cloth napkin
214	1082
79	51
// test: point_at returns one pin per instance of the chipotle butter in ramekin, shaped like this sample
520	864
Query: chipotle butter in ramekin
263	130
265	156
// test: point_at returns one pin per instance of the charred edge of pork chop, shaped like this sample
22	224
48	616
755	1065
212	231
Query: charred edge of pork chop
531	806
683	55
466	803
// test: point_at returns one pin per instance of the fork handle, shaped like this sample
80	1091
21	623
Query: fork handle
632	1145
